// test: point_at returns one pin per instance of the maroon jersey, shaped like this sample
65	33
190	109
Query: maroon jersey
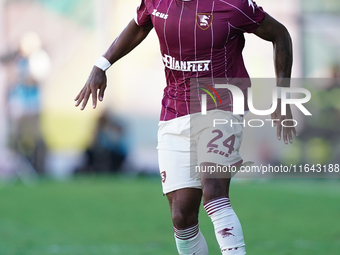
199	39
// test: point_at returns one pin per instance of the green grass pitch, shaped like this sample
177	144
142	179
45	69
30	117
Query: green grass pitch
121	215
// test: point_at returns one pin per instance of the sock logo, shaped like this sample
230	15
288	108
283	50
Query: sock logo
226	232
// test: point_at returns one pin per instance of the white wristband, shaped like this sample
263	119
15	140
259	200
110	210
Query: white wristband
102	63
279	93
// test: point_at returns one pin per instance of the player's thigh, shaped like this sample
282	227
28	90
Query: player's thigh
217	152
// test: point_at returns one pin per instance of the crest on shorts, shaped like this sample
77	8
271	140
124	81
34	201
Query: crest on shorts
163	176
204	20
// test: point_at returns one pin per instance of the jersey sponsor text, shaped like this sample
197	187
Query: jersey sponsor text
186	66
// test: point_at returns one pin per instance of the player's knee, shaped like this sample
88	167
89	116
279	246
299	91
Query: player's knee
214	188
184	219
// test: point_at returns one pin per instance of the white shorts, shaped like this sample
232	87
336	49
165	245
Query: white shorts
186	142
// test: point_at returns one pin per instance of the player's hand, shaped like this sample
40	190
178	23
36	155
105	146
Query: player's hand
287	132
96	81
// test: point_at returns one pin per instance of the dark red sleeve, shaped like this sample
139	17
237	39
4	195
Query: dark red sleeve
247	16
143	18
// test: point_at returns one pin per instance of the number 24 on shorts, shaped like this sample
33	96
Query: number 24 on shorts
228	143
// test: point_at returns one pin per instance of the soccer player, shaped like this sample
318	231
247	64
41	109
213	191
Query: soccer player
198	39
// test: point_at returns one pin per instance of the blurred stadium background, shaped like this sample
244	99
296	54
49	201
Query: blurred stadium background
47	206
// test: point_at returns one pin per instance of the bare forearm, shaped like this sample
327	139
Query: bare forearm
131	36
273	31
283	58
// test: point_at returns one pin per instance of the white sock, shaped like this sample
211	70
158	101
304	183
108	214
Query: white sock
227	226
190	241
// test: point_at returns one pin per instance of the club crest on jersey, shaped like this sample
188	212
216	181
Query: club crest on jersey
204	20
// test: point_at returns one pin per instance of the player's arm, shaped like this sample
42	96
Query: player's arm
131	36
273	31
